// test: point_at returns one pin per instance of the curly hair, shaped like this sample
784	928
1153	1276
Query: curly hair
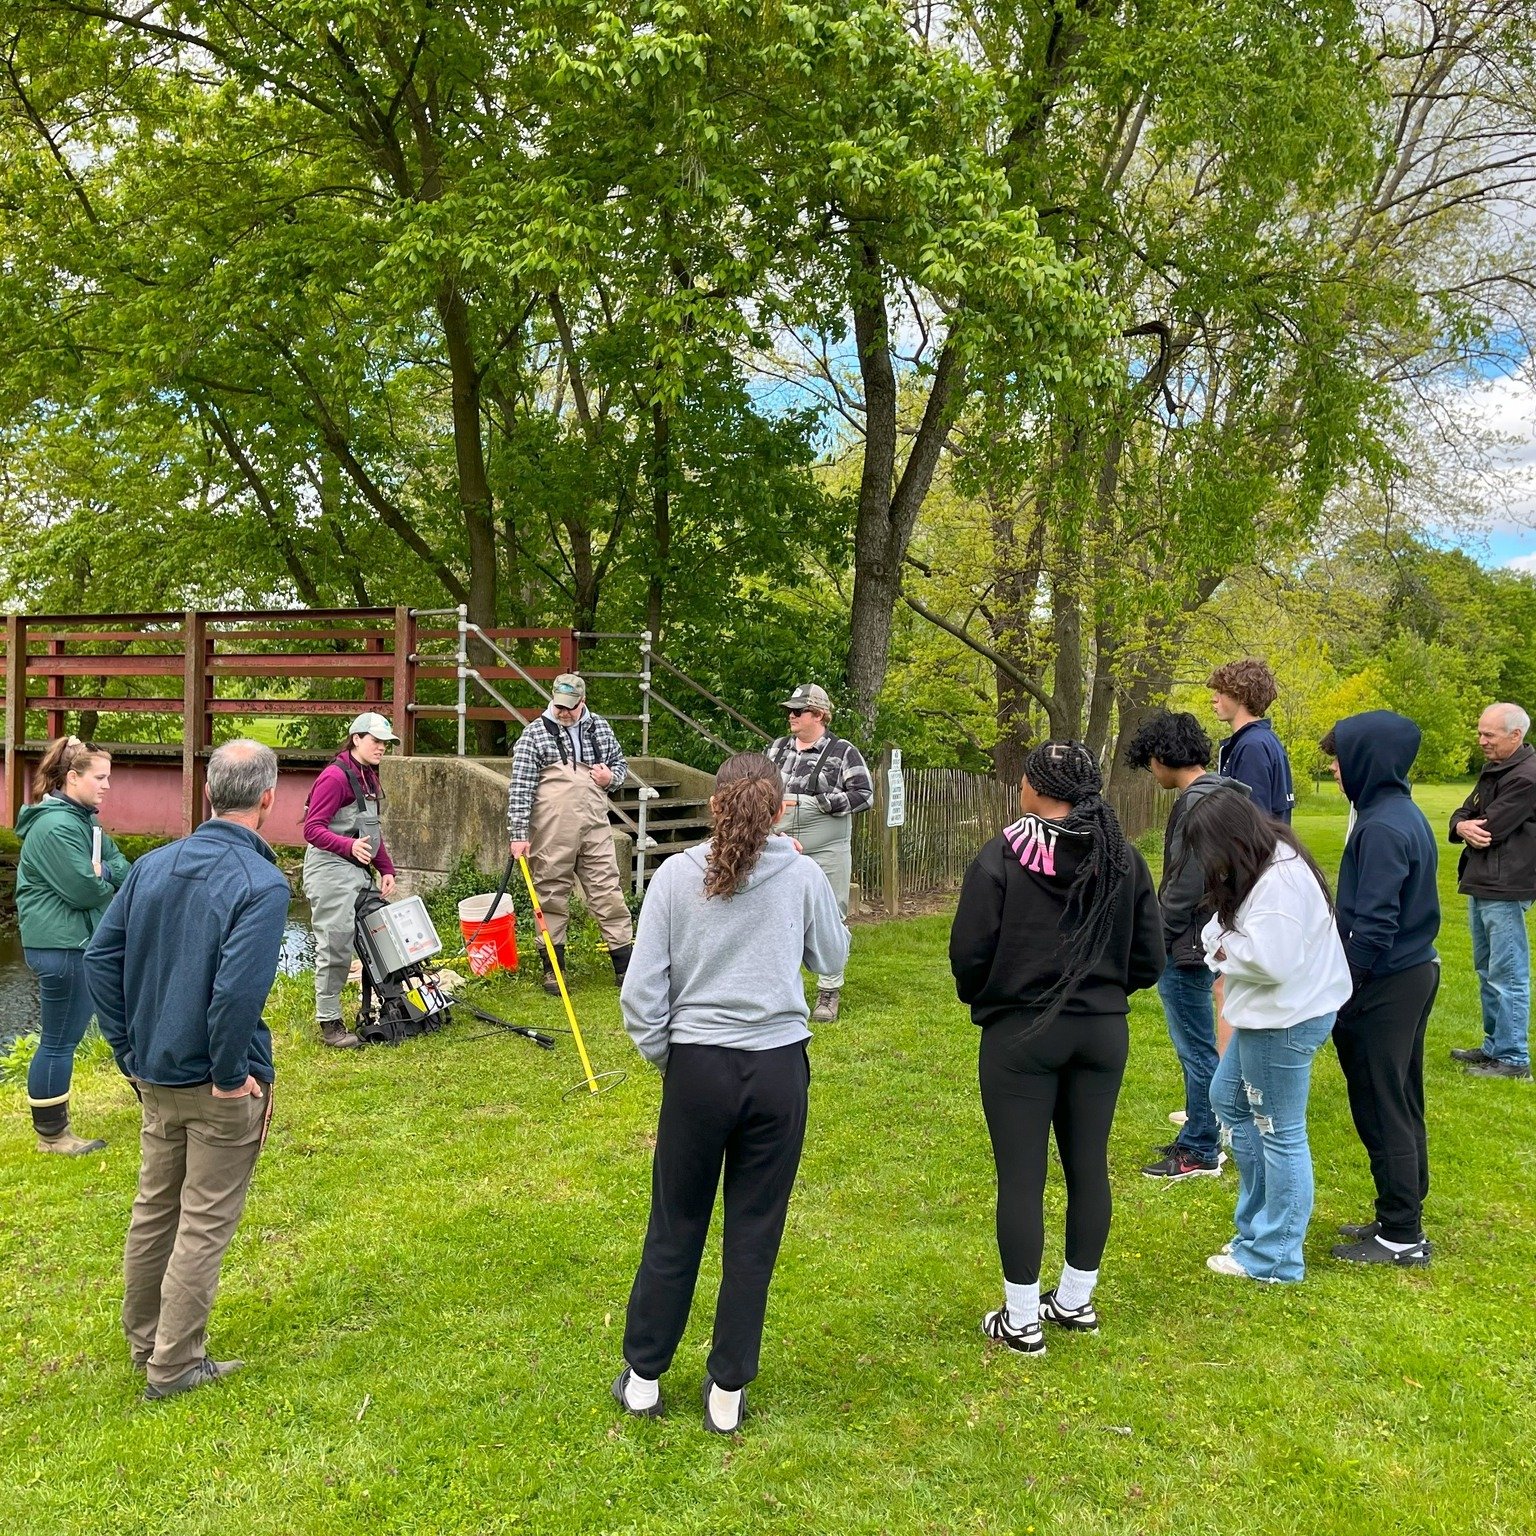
65	755
749	795
1066	770
1176	741
1249	681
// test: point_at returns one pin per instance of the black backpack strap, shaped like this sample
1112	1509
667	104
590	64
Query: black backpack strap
557	736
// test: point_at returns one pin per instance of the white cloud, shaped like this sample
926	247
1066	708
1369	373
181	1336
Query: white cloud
1521	563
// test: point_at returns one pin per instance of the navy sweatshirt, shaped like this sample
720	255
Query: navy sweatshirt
181	965
1388	905
1252	755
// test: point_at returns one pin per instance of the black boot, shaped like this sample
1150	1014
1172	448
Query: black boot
550	984
620	958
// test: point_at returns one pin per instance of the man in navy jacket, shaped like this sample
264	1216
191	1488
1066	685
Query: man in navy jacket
1241	693
179	970
1388	912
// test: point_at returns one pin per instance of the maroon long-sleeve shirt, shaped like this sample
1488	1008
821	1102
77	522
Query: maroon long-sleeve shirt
330	793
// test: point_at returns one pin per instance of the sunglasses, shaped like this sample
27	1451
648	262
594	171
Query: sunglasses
797	712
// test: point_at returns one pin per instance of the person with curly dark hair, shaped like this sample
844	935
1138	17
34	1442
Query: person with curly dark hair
1241	693
1177	753
713	996
1057	924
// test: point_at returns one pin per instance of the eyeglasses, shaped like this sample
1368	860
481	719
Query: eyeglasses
794	713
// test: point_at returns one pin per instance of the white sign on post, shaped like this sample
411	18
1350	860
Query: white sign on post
895	793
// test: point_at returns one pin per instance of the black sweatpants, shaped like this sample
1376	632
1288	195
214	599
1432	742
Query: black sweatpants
1065	1076
1379	1036
745	1111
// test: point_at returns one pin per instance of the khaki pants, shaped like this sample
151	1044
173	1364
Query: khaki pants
198	1154
568	840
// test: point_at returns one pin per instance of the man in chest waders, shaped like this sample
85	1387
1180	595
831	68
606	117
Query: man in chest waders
826	784
344	833
565	763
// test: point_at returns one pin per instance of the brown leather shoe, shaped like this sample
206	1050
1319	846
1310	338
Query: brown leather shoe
825	1011
334	1032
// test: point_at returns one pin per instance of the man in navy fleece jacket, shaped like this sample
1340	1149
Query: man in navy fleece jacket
179	970
1388	912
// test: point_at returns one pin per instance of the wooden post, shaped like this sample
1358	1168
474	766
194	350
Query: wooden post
404	694
15	716
890	853
55	690
196	723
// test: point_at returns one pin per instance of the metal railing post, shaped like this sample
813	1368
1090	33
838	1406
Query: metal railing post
645	693
463	667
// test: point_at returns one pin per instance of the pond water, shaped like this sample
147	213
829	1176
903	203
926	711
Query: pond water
18	986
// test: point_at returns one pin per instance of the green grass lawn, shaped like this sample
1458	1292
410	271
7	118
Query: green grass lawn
430	1279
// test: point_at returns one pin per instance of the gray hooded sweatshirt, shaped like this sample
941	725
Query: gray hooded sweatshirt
726	970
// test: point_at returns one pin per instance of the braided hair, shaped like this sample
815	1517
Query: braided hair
1066	770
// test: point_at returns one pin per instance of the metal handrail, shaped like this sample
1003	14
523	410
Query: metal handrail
719	703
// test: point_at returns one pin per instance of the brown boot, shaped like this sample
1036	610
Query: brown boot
550	984
51	1122
825	1011
334	1032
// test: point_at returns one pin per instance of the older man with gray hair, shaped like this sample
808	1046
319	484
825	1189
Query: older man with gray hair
1496	827
180	969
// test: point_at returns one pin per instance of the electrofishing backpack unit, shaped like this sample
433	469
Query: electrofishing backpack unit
399	998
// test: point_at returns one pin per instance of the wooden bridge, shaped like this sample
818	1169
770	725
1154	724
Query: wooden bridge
189	674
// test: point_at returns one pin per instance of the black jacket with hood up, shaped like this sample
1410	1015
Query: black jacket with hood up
1006	946
1388	906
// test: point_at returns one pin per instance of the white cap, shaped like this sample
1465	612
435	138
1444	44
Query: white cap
369	724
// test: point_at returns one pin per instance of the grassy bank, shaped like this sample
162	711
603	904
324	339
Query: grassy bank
430	1280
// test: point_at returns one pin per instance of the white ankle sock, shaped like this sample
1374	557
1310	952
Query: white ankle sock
1075	1288
1023	1304
1396	1247
640	1392
724	1407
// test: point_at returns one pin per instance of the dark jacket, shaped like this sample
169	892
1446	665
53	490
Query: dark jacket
182	963
1252	755
1388	906
1505	797
1181	891
1006	946
59	899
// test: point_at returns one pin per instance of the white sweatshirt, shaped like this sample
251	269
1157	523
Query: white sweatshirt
1283	962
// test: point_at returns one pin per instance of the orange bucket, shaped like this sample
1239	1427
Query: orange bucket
490	939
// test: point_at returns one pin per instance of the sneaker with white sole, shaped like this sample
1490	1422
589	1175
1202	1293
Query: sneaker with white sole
1081	1319
1224	1264
1029	1340
1179	1164
1177	1116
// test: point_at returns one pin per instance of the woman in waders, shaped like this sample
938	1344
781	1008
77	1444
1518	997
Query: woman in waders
826	784
66	877
345	837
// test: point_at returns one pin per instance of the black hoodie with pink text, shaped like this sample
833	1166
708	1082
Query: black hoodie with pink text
1007	947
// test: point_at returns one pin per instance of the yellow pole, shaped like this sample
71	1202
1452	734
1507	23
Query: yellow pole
554	965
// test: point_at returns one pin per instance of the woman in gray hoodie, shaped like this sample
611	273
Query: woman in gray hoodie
714	998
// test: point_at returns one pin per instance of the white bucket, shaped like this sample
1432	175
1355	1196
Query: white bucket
477	909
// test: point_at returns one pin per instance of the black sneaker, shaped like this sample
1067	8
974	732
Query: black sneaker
1029	1340
1179	1164
1371	1250
1475	1057
1501	1069
1083	1320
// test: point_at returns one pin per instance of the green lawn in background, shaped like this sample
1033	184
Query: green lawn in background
430	1280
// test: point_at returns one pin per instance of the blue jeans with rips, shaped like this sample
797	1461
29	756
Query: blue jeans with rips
1187	1003
1259	1094
1501	951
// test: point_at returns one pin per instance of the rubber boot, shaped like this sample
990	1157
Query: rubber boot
550	984
620	958
51	1122
334	1032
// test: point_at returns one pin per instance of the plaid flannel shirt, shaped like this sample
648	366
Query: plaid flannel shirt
536	750
845	788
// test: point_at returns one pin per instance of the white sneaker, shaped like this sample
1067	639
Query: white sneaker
1224	1264
1177	1116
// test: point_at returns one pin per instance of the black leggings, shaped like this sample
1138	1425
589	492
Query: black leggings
1066	1075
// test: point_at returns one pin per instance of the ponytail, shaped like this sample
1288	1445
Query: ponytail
749	794
66	755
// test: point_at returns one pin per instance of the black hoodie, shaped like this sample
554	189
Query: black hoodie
1006	946
1388	906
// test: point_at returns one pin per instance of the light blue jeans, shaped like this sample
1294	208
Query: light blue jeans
1259	1094
1501	951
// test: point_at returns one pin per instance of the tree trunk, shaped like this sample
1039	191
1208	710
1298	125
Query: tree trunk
1133	792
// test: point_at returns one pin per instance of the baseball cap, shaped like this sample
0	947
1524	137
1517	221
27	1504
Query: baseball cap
369	724
809	696
568	688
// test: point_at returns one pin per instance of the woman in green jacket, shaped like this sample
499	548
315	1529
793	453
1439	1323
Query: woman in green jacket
68	872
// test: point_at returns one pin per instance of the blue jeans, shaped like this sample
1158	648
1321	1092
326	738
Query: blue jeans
1259	1094
66	1010
1501	951
1186	995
